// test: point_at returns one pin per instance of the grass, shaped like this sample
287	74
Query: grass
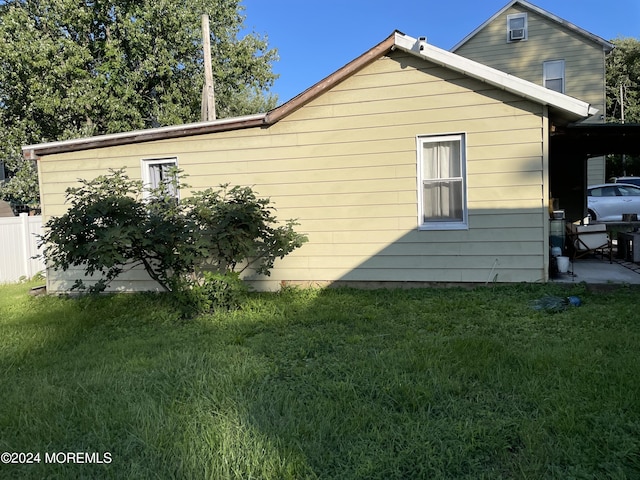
322	384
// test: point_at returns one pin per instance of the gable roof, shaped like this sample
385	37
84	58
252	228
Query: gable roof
566	107
607	46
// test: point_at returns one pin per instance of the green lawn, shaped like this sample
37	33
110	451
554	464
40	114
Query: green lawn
344	384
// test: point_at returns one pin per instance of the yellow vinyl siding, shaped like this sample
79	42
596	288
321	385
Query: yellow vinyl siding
345	166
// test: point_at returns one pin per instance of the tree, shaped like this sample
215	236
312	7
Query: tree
623	81
623	90
109	229
73	68
21	190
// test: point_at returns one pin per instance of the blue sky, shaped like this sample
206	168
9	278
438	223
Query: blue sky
315	38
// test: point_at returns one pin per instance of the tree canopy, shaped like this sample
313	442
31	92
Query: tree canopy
623	89
72	68
623	80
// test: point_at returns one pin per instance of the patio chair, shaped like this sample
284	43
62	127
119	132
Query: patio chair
589	240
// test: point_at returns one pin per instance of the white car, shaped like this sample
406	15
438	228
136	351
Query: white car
609	201
630	180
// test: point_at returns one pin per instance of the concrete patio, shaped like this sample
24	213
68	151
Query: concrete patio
596	270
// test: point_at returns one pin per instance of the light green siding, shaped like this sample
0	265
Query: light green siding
596	172
547	40
345	166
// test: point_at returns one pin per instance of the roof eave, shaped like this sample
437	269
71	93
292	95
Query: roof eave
571	107
32	152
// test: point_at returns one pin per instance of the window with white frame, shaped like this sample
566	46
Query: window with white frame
517	27
553	75
156	172
442	183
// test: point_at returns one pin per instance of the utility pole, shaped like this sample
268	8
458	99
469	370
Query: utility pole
208	111
622	102
624	160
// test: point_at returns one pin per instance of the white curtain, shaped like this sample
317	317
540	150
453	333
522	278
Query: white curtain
155	175
442	181
158	174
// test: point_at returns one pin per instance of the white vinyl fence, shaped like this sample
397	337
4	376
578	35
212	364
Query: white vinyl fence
18	244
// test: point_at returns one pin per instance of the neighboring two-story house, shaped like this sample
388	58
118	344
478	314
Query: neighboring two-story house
535	45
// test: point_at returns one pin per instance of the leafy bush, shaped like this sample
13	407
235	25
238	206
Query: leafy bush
220	291
238	229
110	229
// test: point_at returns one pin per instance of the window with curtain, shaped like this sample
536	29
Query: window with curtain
156	173
443	190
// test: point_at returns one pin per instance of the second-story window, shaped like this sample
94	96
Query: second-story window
517	28
553	75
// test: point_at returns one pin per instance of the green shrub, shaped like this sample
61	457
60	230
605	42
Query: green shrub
215	291
111	228
220	291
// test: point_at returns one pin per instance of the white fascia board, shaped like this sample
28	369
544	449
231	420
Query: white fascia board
494	77
144	133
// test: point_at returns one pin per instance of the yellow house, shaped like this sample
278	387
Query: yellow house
536	45
410	164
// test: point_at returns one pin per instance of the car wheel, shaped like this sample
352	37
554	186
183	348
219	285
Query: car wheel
592	215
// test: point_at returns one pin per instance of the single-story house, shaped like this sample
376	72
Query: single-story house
410	164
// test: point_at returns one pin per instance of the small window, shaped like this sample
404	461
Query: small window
517	27
442	185
155	173
553	75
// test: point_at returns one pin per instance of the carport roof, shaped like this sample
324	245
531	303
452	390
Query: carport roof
593	140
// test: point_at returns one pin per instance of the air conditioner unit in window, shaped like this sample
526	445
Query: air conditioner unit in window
516	34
